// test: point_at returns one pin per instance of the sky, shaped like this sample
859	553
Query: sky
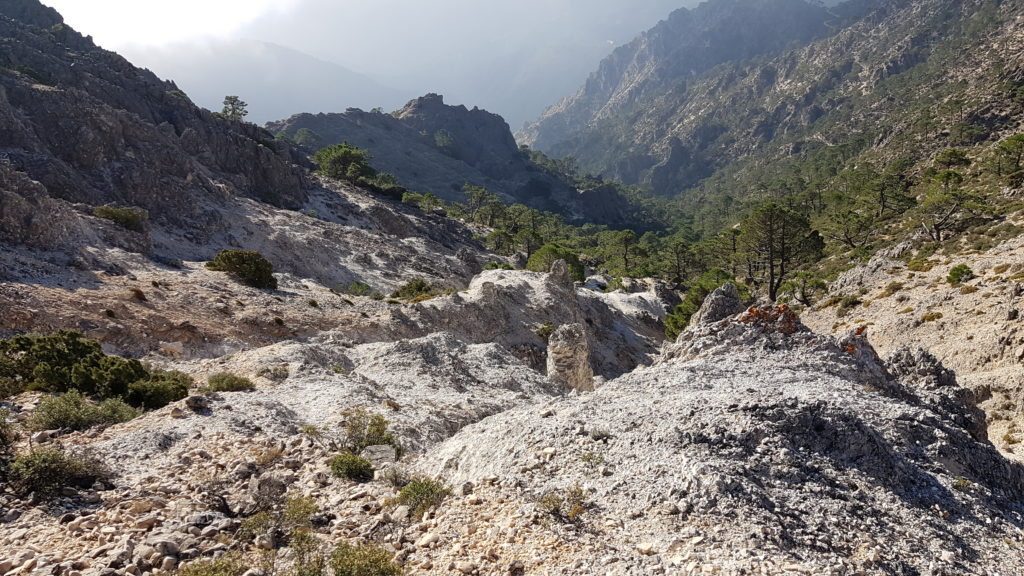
512	57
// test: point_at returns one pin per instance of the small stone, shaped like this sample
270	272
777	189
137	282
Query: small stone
177	413
264	542
465	567
645	548
947	556
147	522
427	540
169	563
197	403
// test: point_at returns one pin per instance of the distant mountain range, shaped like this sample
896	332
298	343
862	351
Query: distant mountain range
717	92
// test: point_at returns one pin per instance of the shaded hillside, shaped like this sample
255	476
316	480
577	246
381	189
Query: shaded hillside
436	148
81	128
719	88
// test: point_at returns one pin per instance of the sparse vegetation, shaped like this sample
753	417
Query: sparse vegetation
227	565
415	288
931	317
357	288
75	411
959	274
710	281
421	495
46	470
127	218
352	466
228	382
159	390
545	331
567	506
890	289
362	429
846	304
245	266
363	560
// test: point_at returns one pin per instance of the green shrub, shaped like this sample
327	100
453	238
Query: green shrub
227	565
344	162
228	382
710	281
422	494
357	288
362	560
546	255
159	390
364	429
46	470
415	288
847	303
568	506
65	361
246	266
75	411
545	331
127	218
352	466
959	273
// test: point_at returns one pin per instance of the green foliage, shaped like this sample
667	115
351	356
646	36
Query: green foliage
65	361
363	560
804	287
566	506
498	266
543	258
775	240
345	162
228	382
847	303
679	319
357	288
227	565
959	274
234	108
46	470
545	331
352	466
246	266
364	429
422	494
75	411
308	138
159	389
414	288
127	218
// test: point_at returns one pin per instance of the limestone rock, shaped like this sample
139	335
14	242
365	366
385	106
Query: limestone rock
569	358
722	303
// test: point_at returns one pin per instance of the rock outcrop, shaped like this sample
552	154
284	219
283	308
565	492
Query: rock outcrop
756	446
569	358
433	147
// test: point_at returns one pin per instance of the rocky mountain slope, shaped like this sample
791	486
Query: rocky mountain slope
436	148
551	427
972	327
721	89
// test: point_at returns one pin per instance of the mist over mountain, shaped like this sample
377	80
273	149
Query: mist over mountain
274	80
514	59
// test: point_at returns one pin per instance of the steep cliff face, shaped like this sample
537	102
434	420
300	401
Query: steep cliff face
433	147
92	128
733	84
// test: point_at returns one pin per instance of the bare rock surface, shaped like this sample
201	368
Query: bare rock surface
972	328
755	444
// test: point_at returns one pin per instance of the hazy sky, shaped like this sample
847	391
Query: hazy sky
513	57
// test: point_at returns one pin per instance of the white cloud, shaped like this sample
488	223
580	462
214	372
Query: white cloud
115	23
